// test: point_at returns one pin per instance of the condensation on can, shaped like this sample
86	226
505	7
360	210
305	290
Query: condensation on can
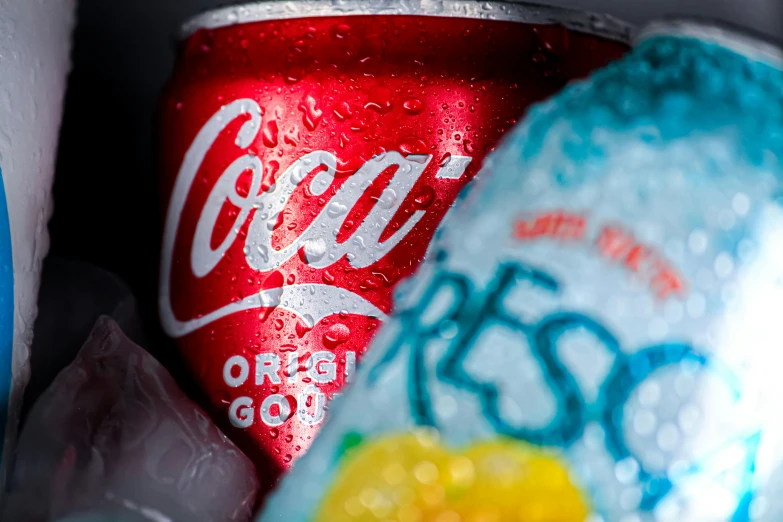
309	152
595	335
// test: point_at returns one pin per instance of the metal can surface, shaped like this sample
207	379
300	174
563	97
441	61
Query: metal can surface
34	63
595	336
309	151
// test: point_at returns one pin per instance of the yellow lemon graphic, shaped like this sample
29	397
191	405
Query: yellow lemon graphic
413	478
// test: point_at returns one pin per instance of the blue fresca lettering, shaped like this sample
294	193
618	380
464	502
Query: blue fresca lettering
472	312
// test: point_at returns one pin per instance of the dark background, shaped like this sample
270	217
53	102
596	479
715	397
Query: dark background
107	209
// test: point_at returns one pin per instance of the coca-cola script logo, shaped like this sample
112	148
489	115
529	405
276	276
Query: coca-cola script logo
318	245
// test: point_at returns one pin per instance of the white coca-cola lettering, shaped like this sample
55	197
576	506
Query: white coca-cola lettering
267	365
321	248
318	403
324	369
240	362
319	368
283	410
240	413
292	367
203	258
364	247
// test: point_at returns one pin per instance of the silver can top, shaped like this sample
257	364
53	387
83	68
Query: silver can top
509	11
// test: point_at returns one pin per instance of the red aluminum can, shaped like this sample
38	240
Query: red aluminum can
309	151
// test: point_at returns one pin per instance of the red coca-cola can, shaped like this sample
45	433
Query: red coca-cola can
309	151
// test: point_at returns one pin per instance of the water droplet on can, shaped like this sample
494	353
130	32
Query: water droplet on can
336	209
413	106
314	250
387	198
336	335
425	197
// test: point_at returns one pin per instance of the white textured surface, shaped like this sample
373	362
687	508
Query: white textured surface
34	61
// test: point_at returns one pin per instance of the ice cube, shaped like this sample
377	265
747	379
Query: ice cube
114	433
73	295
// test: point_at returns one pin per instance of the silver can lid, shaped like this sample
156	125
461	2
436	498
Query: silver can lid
508	11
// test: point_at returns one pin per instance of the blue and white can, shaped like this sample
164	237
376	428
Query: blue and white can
595	336
34	62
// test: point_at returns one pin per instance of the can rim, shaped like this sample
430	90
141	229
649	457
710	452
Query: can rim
744	41
605	26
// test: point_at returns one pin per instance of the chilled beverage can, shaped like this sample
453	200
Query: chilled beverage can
594	337
309	151
34	62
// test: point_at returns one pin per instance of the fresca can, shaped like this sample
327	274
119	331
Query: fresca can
309	152
34	62
595	335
